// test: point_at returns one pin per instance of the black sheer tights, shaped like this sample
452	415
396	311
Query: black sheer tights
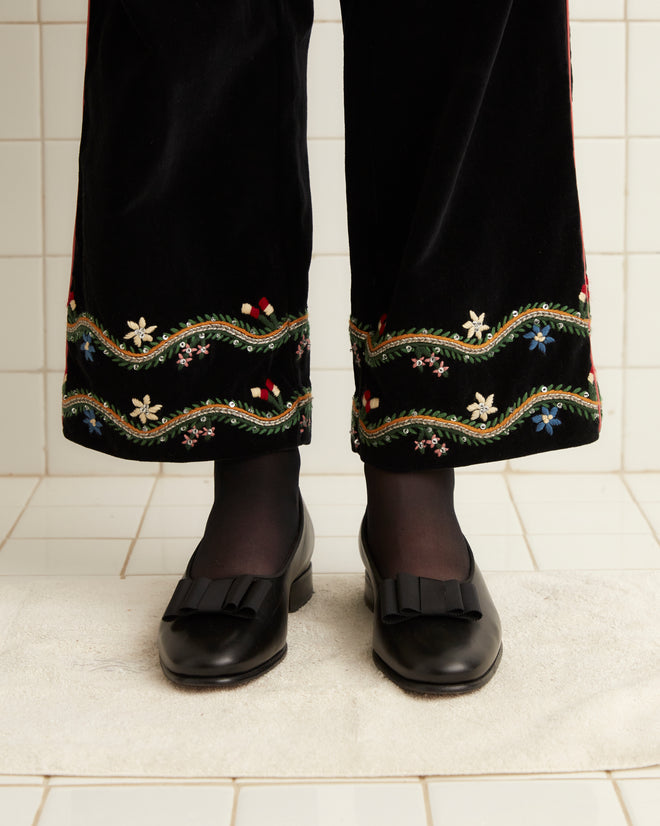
412	526
254	520
253	523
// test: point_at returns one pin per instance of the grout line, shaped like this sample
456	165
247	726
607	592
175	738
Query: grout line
427	801
42	182
505	477
44	796
22	511
122	573
640	506
234	803
626	204
622	803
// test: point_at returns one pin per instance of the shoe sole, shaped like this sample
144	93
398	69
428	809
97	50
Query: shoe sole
422	687
300	593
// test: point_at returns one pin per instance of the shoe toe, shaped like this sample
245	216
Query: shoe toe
218	646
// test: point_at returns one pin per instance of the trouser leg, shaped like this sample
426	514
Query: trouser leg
187	326
470	312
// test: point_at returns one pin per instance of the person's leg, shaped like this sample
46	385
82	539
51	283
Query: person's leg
187	327
470	312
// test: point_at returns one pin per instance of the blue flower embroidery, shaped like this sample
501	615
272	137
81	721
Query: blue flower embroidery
94	424
546	420
539	337
87	347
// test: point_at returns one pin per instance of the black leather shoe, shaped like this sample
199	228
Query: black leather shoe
220	632
432	636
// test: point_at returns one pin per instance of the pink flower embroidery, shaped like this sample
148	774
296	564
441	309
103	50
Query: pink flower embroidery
431	360
420	445
418	362
441	450
203	350
433	441
183	361
188	440
208	432
441	369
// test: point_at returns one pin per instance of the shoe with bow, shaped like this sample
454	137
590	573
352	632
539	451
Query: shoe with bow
432	636
220	632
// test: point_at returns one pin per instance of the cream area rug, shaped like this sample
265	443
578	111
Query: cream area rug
81	691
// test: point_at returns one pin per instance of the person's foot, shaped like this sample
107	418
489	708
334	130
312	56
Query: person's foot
255	517
412	526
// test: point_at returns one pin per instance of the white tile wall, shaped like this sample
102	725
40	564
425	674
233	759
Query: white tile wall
644	195
615	48
19	100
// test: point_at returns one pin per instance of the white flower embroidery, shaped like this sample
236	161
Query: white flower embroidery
139	331
476	325
483	407
145	409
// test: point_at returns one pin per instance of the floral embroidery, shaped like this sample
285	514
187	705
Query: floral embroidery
546	420
432	442
482	408
369	402
139	332
182	361
303	345
476	325
192	436
381	324
418	362
375	349
94	424
539	337
441	369
264	307
427	427
584	292
196	335
200	419
145	409
71	302
87	347
271	392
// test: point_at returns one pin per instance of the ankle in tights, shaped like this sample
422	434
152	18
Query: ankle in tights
254	520
412	526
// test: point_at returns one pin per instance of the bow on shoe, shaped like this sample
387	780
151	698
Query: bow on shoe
240	596
407	596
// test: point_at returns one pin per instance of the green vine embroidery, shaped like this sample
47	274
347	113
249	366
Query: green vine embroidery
191	423
138	349
430	429
426	346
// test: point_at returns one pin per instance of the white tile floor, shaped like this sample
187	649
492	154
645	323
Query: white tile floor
131	526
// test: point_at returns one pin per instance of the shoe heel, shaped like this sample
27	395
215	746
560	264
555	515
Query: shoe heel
368	592
301	590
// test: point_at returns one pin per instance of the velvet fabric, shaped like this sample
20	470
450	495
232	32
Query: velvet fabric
187	330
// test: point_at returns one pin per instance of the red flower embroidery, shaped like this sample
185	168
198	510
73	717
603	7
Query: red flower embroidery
369	402
381	324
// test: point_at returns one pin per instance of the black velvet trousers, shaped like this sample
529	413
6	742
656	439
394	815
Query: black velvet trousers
188	336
